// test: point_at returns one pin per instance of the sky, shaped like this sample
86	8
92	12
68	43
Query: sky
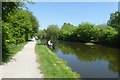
58	13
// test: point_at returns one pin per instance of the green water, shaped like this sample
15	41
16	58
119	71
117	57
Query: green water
94	61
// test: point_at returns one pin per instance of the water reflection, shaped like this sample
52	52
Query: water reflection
90	61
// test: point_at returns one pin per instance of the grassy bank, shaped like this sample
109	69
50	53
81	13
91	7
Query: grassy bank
13	49
51	65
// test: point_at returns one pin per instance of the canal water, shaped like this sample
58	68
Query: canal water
94	61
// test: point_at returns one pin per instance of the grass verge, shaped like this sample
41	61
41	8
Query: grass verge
52	66
13	49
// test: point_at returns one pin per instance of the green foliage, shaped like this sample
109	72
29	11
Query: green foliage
41	34
66	31
35	24
52	32
115	22
86	32
17	25
9	8
107	34
13	49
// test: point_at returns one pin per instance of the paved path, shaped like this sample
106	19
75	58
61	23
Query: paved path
23	64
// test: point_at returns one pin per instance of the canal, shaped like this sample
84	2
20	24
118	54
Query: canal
95	61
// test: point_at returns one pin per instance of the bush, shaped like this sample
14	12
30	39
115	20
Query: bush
52	32
87	32
107	35
66	32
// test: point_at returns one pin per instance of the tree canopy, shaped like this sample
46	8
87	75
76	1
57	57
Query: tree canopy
115	22
18	25
52	32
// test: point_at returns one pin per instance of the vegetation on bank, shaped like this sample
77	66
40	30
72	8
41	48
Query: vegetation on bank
51	65
87	32
13	49
18	25
107	34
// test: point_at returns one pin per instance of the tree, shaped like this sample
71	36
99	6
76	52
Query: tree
66	31
52	32
8	9
35	24
115	22
86	32
107	34
42	34
17	25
